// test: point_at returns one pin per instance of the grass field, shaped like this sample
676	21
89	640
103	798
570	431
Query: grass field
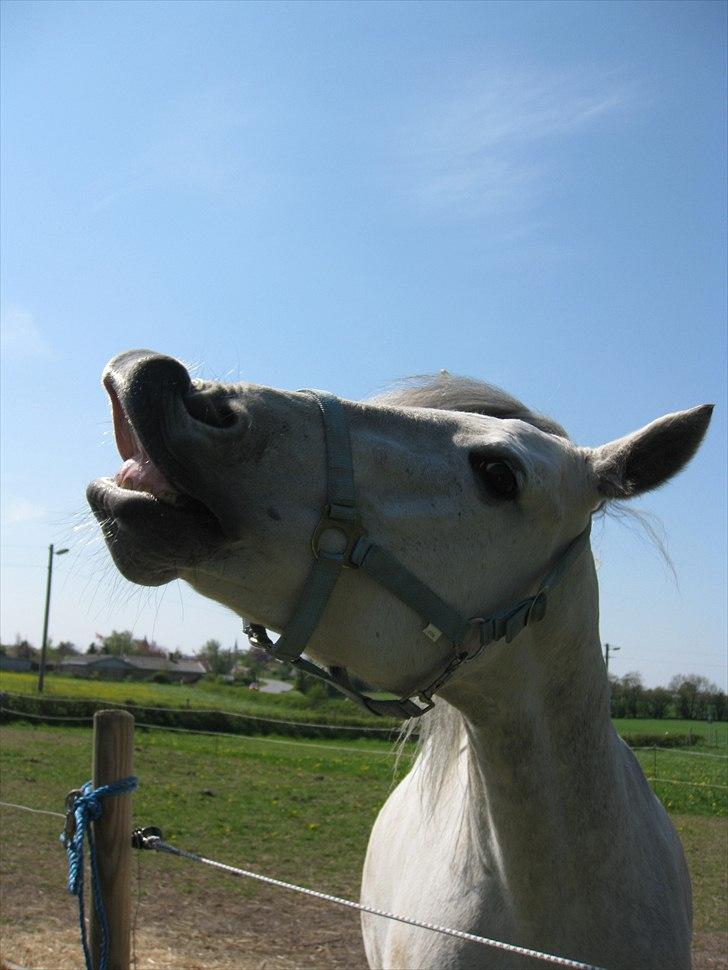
263	800
293	705
685	781
298	810
713	735
206	694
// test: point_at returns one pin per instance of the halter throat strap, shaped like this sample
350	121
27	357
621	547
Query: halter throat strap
468	637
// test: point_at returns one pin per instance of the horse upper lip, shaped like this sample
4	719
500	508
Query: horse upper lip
126	437
144	389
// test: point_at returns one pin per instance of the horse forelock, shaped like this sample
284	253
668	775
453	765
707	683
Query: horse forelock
452	392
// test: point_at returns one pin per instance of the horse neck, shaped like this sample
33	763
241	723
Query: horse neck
542	763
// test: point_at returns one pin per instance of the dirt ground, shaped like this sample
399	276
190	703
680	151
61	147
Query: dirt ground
307	938
328	942
184	917
213	930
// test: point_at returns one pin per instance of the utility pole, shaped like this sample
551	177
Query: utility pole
44	644
609	648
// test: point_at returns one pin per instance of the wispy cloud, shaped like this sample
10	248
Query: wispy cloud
196	147
20	510
490	148
20	336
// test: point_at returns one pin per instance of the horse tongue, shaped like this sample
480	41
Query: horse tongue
141	475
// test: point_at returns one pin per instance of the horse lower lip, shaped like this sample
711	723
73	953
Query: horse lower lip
121	500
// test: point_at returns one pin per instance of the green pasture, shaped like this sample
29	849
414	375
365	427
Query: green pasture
206	694
689	782
260	790
292	705
713	735
299	810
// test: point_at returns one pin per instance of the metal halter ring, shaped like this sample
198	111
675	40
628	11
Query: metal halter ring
350	528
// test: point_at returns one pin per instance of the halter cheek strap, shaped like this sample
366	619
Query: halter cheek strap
358	552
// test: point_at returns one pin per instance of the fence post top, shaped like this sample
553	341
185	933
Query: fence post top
113	715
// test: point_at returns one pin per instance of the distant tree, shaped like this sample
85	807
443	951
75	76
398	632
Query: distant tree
658	702
691	693
66	649
23	649
218	661
627	695
92	648
718	701
147	648
118	643
632	690
616	705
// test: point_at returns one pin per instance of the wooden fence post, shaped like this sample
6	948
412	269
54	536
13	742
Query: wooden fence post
112	761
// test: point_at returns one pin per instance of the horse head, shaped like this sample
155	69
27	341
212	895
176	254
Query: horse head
224	485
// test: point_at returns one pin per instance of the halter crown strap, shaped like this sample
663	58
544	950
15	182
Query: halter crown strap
356	551
340	491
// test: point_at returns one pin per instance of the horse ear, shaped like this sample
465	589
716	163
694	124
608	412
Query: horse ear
649	457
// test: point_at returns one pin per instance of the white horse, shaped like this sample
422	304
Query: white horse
525	818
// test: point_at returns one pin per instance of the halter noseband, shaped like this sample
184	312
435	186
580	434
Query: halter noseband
340	516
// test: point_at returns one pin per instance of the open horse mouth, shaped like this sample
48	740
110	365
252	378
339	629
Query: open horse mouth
152	511
138	472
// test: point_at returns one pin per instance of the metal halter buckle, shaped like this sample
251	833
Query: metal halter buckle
347	523
426	700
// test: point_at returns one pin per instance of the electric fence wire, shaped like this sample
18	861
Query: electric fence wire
155	842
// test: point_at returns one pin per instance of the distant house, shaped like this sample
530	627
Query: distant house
22	664
75	662
109	667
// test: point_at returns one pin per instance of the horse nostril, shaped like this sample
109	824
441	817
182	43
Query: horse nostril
211	408
160	374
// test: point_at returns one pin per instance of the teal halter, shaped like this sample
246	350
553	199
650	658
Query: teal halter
341	516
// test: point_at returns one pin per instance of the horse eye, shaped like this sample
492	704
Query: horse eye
499	478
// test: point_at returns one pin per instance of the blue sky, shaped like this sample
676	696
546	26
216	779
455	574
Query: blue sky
339	194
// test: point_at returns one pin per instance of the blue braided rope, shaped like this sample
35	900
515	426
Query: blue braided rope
88	807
